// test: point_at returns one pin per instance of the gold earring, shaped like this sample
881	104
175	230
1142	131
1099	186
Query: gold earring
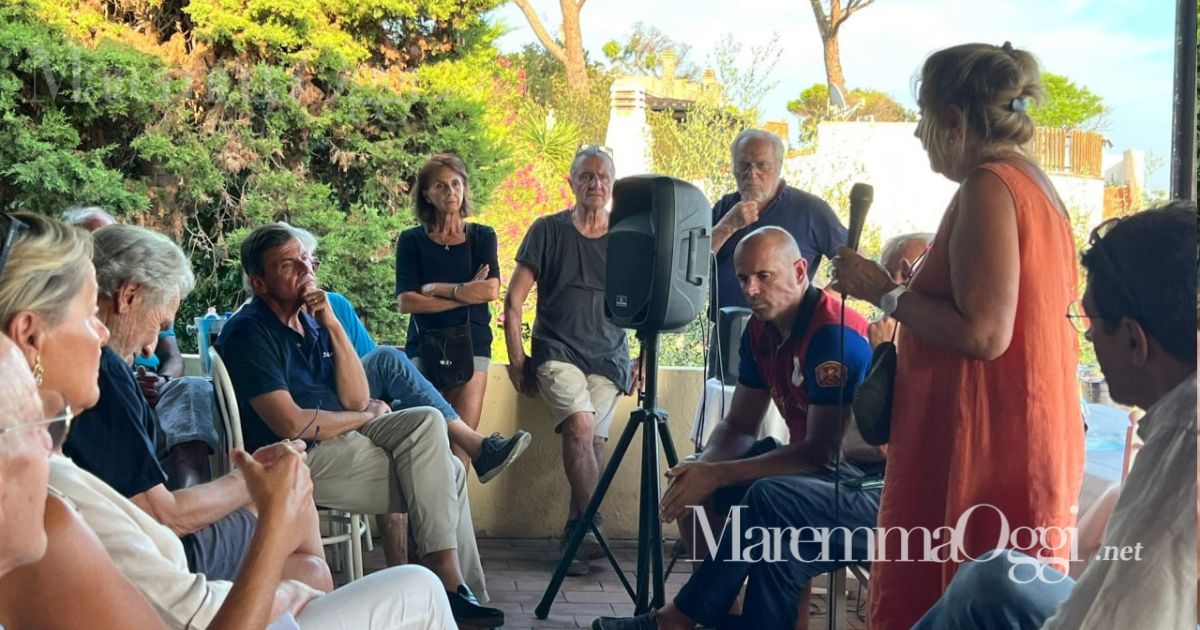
38	371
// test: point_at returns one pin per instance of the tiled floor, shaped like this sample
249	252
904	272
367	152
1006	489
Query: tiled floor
518	572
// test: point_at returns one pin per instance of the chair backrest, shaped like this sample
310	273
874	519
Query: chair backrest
226	400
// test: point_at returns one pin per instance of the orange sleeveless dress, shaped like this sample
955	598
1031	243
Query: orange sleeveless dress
1006	433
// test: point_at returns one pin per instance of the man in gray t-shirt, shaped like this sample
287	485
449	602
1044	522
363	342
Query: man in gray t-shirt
580	361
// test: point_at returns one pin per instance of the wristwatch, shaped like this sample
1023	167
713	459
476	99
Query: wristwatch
891	299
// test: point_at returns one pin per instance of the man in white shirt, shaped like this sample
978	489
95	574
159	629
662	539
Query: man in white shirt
1137	312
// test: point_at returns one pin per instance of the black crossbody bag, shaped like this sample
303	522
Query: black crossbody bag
447	354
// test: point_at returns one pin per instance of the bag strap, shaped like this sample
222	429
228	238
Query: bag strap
470	251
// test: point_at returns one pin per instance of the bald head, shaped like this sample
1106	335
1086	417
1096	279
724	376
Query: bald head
770	239
18	392
772	273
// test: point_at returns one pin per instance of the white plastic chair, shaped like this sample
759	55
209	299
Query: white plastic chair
836	614
345	528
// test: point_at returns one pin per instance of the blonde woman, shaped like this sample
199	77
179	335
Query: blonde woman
986	410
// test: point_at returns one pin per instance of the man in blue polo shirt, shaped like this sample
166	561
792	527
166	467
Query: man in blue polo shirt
296	375
791	354
763	198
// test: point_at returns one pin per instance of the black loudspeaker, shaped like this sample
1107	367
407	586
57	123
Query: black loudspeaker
659	241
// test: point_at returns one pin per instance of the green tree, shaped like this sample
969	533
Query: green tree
812	107
745	84
642	53
568	50
1070	105
205	119
830	16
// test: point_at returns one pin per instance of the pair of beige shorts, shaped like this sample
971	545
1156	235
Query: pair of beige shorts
567	390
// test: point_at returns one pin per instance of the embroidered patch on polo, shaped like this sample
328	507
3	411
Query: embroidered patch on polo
831	374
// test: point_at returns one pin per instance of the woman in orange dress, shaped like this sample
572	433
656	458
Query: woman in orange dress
986	419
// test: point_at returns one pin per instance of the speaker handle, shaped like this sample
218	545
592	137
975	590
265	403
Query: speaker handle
690	274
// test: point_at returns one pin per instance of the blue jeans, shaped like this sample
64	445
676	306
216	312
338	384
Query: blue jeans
393	378
791	501
1004	591
185	410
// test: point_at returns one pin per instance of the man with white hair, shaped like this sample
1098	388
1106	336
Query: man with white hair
183	405
142	277
580	360
763	198
900	254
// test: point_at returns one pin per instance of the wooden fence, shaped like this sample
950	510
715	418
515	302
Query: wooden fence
1068	152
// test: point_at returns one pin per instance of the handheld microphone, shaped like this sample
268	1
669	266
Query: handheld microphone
861	196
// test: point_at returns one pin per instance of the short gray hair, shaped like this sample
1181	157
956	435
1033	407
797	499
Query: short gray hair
756	134
588	151
894	244
128	253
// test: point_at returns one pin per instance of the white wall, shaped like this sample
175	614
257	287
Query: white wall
908	195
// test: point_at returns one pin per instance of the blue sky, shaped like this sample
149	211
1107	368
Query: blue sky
1120	49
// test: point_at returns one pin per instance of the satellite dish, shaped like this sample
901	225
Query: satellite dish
835	97
837	101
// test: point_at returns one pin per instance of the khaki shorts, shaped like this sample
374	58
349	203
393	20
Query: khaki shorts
567	390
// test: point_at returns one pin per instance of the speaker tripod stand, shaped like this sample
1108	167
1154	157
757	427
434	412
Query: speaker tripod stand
649	573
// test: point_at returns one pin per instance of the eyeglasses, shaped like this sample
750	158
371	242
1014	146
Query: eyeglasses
1079	317
58	419
10	227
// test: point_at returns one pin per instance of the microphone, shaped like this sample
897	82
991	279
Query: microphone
861	196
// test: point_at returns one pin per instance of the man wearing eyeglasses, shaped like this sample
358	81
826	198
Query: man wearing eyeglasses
580	361
296	375
764	198
1138	312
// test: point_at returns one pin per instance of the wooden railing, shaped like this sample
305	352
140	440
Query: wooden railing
1069	151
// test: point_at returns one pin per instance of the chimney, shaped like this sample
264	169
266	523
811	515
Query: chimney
668	62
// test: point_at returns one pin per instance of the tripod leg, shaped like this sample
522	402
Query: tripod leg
655	518
585	521
664	434
648	542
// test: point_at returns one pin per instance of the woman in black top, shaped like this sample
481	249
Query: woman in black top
446	273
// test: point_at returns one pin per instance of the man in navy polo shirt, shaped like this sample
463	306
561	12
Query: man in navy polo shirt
763	198
296	375
792	355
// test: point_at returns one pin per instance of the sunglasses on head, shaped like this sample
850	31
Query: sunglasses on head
10	228
592	149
